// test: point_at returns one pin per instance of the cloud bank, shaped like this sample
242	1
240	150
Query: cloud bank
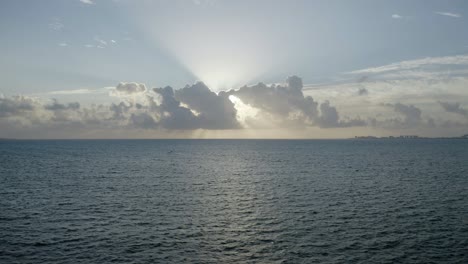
259	107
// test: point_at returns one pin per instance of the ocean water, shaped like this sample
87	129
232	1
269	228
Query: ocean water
234	201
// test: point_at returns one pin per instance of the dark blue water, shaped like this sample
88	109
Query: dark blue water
234	201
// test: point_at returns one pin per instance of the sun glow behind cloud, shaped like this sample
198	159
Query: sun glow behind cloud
223	55
244	111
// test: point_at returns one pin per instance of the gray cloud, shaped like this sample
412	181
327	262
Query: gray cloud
330	118
215	111
454	108
174	116
363	91
15	105
143	120
130	88
288	103
58	106
197	107
205	109
411	116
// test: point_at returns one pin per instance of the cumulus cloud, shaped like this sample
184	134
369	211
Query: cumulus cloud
329	118
411	116
130	88
288	105
454	108
195	107
16	105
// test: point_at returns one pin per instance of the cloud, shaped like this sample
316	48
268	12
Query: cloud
363	91
130	88
88	2
287	106
195	107
16	105
449	14
63	44
89	46
415	64
411	116
80	91
203	2
396	16
58	106
143	120
454	108
56	25
330	118
100	41
215	111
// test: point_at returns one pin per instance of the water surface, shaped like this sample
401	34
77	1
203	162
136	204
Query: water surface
234	201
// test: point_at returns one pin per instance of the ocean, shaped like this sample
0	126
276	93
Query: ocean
234	201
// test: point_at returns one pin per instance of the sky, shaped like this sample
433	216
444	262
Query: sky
233	69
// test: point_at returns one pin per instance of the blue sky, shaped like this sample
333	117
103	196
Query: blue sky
88	47
316	40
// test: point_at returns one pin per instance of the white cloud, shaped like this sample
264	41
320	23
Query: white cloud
56	25
203	2
89	46
80	91
100	41
449	14
413	64
113	41
88	2
63	44
396	16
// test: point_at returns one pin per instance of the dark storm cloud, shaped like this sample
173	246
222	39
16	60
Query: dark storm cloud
454	108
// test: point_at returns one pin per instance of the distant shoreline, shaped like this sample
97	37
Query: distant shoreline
137	139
